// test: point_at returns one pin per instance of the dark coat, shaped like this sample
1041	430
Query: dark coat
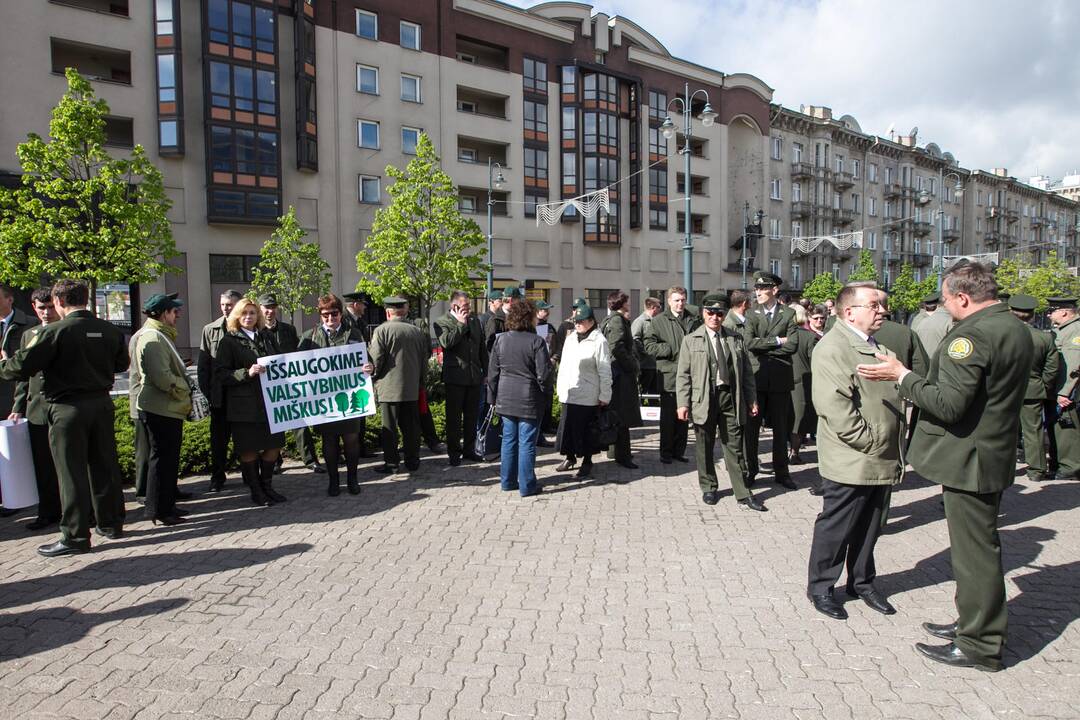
316	338
565	328
30	398
465	352
241	392
285	336
494	325
519	373
663	339
212	333
624	369
774	373
905	344
356	323
9	343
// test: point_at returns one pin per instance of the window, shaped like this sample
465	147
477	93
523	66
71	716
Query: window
536	167
369	189
888	209
119	132
774	267
367	79
796	275
236	269
466	155
163	17
796	152
535	120
569	172
409	34
568	82
918	274
239	24
169	133
796	192
569	125
367	25
242	151
918	245
871	240
658	184
531	201
871	206
774	228
467	204
978	224
919	183
796	228
243	88
836	201
410	88
166	74
871	172
535	76
933	186
839	163
658	217
657	145
836	271
855	169
367	134
409	138
855	202
777	148
774	189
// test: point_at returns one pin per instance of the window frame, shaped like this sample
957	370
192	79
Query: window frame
361	178
419	88
359	68
418	131
360	134
374	16
419	39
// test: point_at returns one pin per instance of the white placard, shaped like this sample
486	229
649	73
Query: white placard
312	387
17	481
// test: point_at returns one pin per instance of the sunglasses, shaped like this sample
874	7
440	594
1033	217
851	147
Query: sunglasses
330	313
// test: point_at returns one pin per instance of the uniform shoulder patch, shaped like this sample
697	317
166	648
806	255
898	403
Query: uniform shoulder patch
1076	340
960	348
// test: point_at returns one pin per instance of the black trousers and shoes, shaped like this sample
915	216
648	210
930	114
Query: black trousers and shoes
163	436
331	451
462	405
674	433
48	486
775	410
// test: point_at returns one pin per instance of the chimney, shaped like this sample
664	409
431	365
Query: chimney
820	112
1001	172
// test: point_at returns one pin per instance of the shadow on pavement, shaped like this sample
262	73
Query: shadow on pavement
1048	603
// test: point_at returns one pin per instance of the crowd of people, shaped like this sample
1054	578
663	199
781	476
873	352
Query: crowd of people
950	395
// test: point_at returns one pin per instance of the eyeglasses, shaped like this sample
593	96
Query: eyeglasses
712	311
816	317
872	306
330	313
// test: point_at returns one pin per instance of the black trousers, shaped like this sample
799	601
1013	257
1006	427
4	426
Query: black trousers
305	445
142	456
164	435
845	533
462	406
775	409
674	433
647	381
219	442
403	417
48	486
547	422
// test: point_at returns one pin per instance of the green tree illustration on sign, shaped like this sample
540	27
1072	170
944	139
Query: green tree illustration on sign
342	402
360	400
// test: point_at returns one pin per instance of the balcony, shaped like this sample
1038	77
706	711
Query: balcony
92	61
892	190
473	201
478	102
1011	239
992	236
842	180
922	227
921	259
951	234
801	209
842	216
699	185
483	54
1037	221
801	170
993	211
1012	215
475	151
106	7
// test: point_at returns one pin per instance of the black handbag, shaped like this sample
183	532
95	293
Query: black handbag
606	428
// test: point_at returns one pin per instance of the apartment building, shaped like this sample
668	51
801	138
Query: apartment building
252	106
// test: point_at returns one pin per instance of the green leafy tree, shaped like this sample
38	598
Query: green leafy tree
866	270
1048	279
291	269
906	294
1007	275
420	245
821	288
79	212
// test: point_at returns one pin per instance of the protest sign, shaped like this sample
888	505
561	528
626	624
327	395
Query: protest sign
312	387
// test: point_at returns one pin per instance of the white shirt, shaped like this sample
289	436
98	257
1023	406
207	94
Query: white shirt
249	333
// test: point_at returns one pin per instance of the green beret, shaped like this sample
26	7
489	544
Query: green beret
543	305
932	299
582	312
1023	303
159	303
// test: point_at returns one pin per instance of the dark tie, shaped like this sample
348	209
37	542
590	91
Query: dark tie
723	371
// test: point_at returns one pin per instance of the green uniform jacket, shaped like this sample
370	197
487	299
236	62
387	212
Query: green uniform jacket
212	333
905	344
800	361
696	375
285	336
241	392
494	325
860	429
157	380
774	361
1068	343
932	328
399	351
744	329
81	354
1045	368
624	369
319	338
465	352
29	400
9	343
663	339
637	330
357	323
969	404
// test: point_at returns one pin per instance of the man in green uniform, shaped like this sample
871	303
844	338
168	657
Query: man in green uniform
79	355
965	440
663	339
356	313
288	340
1041	384
932	323
1066	427
714	389
465	361
773	340
398	356
212	333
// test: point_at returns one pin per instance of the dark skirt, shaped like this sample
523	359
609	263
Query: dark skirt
255	436
351	426
575	430
804	417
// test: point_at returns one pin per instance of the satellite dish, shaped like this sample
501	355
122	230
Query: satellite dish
914	131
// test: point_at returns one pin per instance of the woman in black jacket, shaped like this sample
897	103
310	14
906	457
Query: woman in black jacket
332	333
518	375
237	370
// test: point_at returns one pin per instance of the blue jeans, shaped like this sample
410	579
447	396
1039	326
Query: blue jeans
518	467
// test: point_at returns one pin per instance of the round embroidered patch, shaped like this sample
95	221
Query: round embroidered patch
960	348
1076	340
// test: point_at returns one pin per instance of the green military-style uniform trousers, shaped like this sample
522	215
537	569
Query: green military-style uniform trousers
1031	430
1067	434
721	421
403	417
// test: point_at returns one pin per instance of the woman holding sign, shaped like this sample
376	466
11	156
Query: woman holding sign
237	369
332	333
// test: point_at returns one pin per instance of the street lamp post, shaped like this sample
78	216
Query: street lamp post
496	181
707	117
924	197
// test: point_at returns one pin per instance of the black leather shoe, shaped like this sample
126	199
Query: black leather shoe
954	657
752	503
785	481
42	524
628	464
217	483
453	460
817	490
681	458
8	512
710	497
386	469
945	632
584	471
665	460
827	605
316	468
876	601
111	533
61	548
473	457
181	495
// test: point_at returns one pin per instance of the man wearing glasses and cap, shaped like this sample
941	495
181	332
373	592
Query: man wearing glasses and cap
1063	315
773	340
714	388
288	341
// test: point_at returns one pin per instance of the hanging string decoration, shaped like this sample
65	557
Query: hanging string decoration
984	258
588	205
840	242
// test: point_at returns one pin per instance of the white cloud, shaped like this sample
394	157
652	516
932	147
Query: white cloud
995	82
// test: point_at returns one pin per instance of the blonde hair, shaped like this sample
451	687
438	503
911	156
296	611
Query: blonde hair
800	313
233	321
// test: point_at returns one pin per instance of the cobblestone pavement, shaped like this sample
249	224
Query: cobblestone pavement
439	596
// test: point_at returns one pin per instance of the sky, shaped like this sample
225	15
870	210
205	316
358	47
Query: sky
995	82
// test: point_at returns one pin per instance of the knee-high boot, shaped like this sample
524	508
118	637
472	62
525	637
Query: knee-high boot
267	480
250	472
